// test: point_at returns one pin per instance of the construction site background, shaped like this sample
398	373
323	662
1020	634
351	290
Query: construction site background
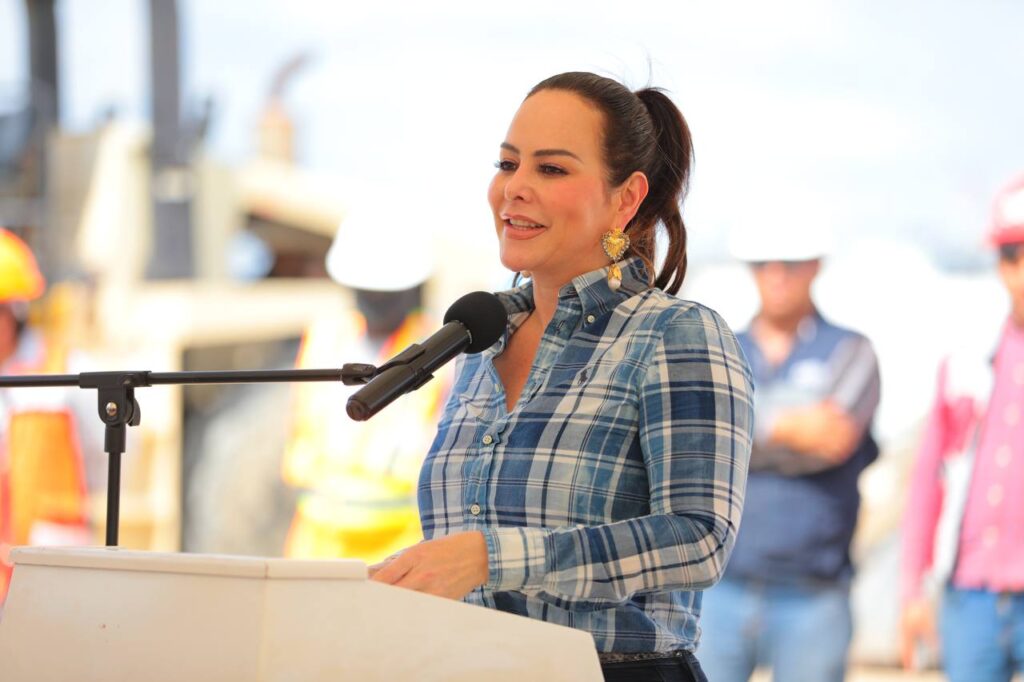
183	218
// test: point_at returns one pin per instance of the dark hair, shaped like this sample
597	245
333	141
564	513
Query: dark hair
643	131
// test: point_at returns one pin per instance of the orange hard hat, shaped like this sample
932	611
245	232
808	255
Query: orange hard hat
1008	214
20	279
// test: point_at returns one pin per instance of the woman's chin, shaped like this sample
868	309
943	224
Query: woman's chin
516	264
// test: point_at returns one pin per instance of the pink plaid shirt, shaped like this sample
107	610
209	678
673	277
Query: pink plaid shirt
991	542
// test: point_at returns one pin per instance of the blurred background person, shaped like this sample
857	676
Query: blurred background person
88	123
42	480
359	478
784	599
962	528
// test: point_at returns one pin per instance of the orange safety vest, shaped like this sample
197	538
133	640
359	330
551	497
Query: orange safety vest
359	478
43	495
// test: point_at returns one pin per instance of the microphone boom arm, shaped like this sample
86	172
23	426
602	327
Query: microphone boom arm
472	323
118	408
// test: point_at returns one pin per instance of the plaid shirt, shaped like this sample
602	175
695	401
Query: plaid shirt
613	490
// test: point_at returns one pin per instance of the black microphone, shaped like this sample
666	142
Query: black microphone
472	323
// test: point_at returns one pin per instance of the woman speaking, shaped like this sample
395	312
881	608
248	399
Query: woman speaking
589	467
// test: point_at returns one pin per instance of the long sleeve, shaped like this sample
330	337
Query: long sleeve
858	386
924	499
695	420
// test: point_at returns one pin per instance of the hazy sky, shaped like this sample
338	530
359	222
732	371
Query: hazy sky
883	118
891	122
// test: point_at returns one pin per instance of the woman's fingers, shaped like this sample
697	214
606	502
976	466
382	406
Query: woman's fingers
390	572
446	567
373	568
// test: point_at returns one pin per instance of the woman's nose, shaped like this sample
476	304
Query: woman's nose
517	186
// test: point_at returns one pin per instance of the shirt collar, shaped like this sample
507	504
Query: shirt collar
1013	330
596	297
591	288
806	332
1011	339
807	329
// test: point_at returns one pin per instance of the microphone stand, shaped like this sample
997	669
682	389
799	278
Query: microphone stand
118	408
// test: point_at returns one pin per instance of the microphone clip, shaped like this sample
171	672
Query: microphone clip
356	374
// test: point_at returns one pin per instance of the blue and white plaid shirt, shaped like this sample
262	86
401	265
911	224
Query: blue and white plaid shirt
613	490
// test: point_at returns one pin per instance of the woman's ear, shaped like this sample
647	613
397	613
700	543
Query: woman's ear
630	194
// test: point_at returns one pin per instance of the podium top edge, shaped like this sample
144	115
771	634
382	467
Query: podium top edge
113	558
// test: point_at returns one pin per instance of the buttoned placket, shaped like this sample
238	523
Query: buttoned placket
479	466
552	342
995	495
475	492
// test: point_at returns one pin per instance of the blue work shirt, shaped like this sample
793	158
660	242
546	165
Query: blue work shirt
800	513
610	494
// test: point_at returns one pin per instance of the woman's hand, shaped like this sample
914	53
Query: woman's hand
451	566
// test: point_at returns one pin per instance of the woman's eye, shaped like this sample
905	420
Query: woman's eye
504	165
548	169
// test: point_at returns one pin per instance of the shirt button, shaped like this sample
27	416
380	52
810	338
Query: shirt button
474	509
995	495
590	319
488	439
1003	456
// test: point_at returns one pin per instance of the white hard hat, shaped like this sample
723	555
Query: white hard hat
379	250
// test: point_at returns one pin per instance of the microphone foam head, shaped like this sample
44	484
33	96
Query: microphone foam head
483	315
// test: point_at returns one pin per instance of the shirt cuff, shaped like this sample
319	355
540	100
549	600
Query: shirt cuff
516	558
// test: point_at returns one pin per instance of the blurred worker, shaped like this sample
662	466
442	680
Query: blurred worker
360	478
784	599
963	526
42	479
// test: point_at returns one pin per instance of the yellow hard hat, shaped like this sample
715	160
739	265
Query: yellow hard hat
20	279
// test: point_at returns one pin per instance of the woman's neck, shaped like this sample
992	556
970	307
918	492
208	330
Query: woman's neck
545	301
548	283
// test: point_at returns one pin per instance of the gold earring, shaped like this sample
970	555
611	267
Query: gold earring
526	274
615	242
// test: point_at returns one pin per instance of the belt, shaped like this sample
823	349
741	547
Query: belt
614	657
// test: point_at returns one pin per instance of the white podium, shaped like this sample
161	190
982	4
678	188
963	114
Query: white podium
109	614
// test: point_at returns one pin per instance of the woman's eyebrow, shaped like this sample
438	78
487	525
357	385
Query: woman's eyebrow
542	152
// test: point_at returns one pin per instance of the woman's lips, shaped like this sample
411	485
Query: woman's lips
521	227
529	230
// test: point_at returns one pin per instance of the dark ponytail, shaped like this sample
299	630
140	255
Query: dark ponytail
643	132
